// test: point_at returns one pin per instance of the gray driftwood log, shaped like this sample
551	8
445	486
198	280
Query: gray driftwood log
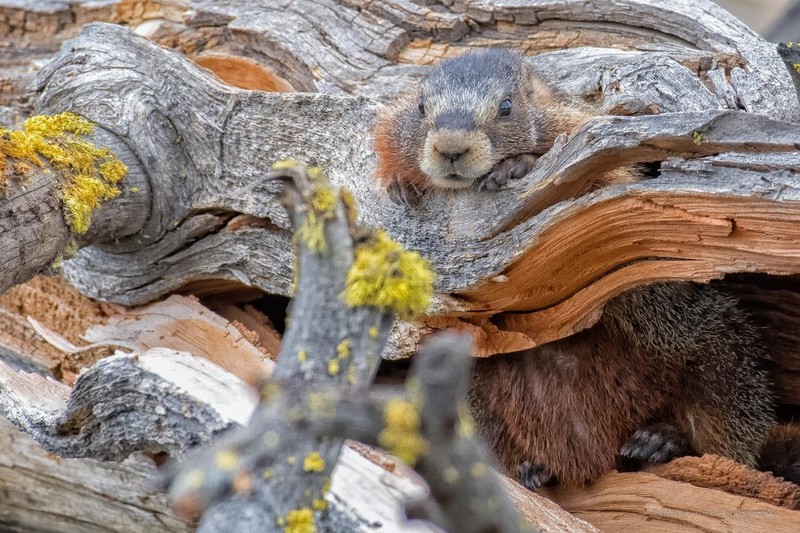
725	198
214	141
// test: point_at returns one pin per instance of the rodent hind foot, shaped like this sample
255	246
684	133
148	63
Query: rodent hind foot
514	167
654	444
532	476
403	193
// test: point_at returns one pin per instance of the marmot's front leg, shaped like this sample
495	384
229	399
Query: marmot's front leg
511	167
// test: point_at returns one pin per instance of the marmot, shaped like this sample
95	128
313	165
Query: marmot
671	368
480	118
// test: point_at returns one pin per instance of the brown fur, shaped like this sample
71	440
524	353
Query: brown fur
780	453
679	353
396	161
401	132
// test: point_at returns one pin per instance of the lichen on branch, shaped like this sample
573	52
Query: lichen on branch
91	173
386	276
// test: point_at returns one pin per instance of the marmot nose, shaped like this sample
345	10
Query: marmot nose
453	155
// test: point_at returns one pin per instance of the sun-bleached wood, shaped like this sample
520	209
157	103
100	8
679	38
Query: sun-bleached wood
218	140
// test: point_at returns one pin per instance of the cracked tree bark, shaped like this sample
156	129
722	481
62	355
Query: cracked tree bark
215	150
726	204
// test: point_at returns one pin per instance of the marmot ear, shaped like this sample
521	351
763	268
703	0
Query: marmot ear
540	93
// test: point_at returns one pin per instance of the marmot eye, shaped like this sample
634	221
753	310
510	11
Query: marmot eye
505	107
422	107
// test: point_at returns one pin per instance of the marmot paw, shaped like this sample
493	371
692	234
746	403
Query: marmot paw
512	167
403	193
655	444
532	476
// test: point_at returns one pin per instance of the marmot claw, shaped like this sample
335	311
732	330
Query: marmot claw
654	444
532	475
512	167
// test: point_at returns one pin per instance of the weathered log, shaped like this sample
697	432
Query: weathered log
429	427
611	502
477	258
50	195
723	66
755	74
44	493
336	334
643	500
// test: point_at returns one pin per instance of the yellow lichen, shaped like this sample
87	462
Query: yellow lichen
291	459
343	349
271	439
321	207
349	204
796	67
113	171
302	356
326	486
333	367
226	460
82	197
315	173
269	390
194	480
401	434
316	401
386	276
698	138
352	375
450	475
91	173
285	164
319	504
313	462
373	332
466	425
266	475
479	469
300	521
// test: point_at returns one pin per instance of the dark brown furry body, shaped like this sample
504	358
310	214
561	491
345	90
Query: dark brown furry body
679	353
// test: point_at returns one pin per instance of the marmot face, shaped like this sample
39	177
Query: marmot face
472	112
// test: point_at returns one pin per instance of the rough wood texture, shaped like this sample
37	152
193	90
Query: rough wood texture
150	392
466	495
618	498
204	146
645	502
476	257
42	492
33	228
715	472
366	493
327	340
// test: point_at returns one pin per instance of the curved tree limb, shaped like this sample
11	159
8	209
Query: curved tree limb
478	258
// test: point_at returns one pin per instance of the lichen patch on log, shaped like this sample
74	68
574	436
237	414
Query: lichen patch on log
92	174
